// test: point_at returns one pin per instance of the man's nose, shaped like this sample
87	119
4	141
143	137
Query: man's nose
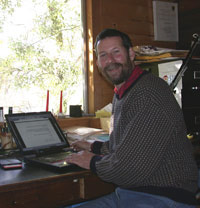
110	58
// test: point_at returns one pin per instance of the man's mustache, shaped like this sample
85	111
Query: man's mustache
112	66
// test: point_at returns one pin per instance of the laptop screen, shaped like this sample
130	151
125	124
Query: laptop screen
36	131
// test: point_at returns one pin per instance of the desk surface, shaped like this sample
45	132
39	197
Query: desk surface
38	187
31	173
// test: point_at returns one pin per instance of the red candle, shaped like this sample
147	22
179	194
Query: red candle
61	101
47	103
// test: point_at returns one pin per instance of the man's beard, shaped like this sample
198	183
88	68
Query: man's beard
126	70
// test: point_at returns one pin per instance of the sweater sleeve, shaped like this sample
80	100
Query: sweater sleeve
98	147
141	149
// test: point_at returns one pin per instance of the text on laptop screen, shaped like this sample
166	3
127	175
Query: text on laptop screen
37	132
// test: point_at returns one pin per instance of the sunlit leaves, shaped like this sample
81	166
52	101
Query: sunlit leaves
49	54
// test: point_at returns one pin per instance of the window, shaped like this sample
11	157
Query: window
41	49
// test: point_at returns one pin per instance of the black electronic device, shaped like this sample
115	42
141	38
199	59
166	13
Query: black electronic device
190	93
40	139
186	61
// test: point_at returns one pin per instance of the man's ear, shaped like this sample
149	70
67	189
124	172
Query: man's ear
97	63
131	54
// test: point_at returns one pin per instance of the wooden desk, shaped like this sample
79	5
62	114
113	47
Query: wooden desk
35	187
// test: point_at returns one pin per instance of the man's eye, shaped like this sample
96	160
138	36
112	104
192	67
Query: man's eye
102	55
116	51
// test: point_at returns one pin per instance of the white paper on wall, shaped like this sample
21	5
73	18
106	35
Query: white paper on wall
165	16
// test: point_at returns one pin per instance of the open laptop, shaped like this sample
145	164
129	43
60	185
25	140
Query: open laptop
40	139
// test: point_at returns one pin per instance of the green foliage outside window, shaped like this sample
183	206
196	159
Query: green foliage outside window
47	55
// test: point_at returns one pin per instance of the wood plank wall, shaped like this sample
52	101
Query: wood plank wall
189	22
134	17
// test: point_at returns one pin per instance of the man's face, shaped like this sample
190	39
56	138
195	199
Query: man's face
114	61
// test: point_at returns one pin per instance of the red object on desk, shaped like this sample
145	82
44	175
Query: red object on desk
61	101
47	102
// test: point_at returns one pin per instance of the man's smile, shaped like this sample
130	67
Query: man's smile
113	67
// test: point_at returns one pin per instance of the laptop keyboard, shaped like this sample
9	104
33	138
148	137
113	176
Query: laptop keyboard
54	158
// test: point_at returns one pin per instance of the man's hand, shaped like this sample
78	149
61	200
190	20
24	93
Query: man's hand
81	145
81	159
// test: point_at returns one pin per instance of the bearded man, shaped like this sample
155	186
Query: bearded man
148	156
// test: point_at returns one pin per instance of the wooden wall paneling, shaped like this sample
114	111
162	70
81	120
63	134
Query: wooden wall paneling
189	22
89	54
130	25
130	10
185	5
100	92
89	35
134	18
103	91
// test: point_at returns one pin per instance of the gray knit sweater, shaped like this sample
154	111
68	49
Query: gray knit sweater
148	146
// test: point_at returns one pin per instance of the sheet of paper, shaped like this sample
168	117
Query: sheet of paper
165	15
